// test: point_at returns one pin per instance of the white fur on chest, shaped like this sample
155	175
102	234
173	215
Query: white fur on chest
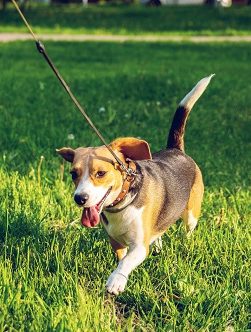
126	227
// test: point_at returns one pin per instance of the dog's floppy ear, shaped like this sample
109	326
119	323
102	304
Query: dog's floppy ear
132	148
67	153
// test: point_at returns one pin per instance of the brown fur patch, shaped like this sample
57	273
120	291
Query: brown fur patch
119	249
132	148
151	212
66	153
195	198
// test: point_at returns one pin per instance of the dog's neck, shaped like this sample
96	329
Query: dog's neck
122	205
130	195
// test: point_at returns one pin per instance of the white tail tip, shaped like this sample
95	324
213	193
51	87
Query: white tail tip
190	99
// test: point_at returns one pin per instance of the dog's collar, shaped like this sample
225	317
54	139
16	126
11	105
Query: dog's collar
126	184
121	208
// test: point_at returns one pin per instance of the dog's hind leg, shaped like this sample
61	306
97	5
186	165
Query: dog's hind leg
193	208
190	221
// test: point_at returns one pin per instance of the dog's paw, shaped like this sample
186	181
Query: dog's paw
116	283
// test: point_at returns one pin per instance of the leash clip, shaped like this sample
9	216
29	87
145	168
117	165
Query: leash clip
129	171
126	169
40	47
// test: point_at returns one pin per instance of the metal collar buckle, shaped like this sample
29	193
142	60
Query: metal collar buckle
126	169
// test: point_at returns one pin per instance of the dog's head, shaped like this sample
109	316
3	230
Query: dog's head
97	180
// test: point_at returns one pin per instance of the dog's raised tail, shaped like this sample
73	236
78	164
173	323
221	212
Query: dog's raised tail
177	130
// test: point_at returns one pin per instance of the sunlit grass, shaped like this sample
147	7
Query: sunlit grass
52	271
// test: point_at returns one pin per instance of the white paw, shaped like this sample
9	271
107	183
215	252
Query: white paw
116	283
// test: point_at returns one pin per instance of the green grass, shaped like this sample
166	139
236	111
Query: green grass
181	20
52	274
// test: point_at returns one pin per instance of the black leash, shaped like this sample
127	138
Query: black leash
41	49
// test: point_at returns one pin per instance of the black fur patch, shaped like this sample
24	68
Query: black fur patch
176	133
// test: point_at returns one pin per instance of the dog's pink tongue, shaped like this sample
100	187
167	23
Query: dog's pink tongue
90	217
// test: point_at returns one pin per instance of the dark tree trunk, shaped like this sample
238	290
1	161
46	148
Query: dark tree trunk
3	4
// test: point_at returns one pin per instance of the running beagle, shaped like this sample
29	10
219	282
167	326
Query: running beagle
138	209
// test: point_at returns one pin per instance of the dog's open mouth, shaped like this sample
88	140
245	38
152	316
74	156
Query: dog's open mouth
91	215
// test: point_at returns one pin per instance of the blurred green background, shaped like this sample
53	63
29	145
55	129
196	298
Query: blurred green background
53	271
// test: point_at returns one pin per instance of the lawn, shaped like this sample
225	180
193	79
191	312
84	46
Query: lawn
169	20
53	274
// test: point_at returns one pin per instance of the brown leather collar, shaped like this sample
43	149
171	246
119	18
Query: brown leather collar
126	185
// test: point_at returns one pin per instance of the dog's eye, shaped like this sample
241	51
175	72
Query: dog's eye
74	175
100	174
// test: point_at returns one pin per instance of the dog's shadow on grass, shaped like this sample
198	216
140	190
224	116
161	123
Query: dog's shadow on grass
141	304
127	304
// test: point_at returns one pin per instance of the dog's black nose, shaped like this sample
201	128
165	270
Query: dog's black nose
81	199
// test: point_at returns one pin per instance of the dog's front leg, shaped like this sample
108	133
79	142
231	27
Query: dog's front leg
117	281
